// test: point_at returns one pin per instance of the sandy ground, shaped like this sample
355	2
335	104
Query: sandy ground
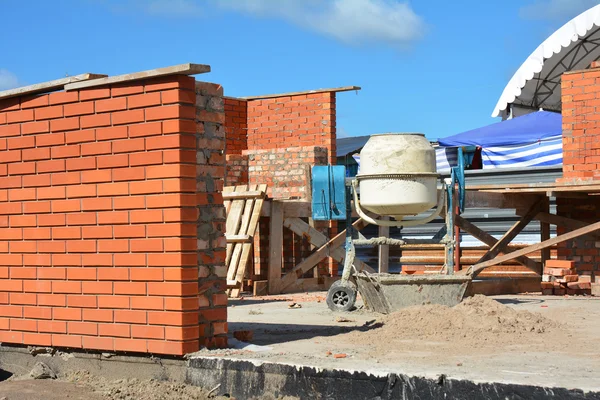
564	354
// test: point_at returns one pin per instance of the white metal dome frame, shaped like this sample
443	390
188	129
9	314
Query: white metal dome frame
536	84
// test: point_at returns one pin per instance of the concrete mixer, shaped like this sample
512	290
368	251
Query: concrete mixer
397	179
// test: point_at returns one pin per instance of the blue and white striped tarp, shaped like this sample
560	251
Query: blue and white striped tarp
546	152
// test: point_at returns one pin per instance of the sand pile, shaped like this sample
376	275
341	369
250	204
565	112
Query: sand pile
477	320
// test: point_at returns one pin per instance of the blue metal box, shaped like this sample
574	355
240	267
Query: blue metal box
328	193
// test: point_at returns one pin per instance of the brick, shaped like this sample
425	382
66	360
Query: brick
172	318
51	192
95	121
81	219
564	264
113	302
96	148
36	233
113	189
568	278
93	94
133	345
79	109
36	154
147	274
97	260
66	206
130	316
96	176
174	348
98	343
181	304
80	191
98	315
126	89
147	129
57	300
113	274
178	96
23	142
35	127
52	326
11	311
16	221
147	303
34	101
144	100
81	136
23	247
109	105
130	231
66	259
146	245
51	166
21	194
55	246
172	288
170	171
63	97
171	230
82	274
36	181
148	187
65	124
37	312
48	113
114	330
146	216
147	332
132	260
26	325
24	299
113	246
10	130
66	233
19	116
12	156
82	301
69	341
81	246
10	234
128	117
179	126
128	174
174	141
114	161
130	288
128	146
51	220
80	164
170	112
67	314
129	203
558	271
11	182
113	218
11	208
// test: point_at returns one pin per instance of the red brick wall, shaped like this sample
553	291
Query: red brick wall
293	121
581	124
581	161
237	170
236	125
101	207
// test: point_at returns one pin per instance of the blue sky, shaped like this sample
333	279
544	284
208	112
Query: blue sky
431	66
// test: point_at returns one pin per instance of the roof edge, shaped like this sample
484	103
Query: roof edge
271	96
49	86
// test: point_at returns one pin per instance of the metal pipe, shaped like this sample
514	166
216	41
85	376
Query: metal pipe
440	205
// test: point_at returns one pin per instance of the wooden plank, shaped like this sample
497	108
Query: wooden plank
49	86
564	222
275	247
545	232
318	255
384	250
231	228
269	96
513	231
536	185
244	248
488	239
250	194
318	239
181	69
476	269
260	288
497	200
238	238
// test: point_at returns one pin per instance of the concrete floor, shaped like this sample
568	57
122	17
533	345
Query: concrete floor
304	336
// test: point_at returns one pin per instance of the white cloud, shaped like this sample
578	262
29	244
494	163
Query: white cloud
8	80
563	10
351	21
392	22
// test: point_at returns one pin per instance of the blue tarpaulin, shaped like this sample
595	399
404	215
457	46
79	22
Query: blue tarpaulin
531	140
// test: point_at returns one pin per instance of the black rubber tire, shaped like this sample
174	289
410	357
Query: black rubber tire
341	297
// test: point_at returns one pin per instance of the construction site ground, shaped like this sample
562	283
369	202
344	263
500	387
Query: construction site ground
560	351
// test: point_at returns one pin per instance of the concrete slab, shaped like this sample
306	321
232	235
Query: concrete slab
310	335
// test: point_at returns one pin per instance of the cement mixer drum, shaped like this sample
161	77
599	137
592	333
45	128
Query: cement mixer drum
398	175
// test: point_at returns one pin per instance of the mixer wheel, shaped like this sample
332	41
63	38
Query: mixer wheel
341	296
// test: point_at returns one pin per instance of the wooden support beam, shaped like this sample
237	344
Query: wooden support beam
275	247
545	232
318	255
318	239
238	238
564	222
49	86
488	239
498	200
477	268
513	231
254	194
181	69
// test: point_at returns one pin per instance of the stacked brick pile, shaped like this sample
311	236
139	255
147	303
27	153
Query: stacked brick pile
560	278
